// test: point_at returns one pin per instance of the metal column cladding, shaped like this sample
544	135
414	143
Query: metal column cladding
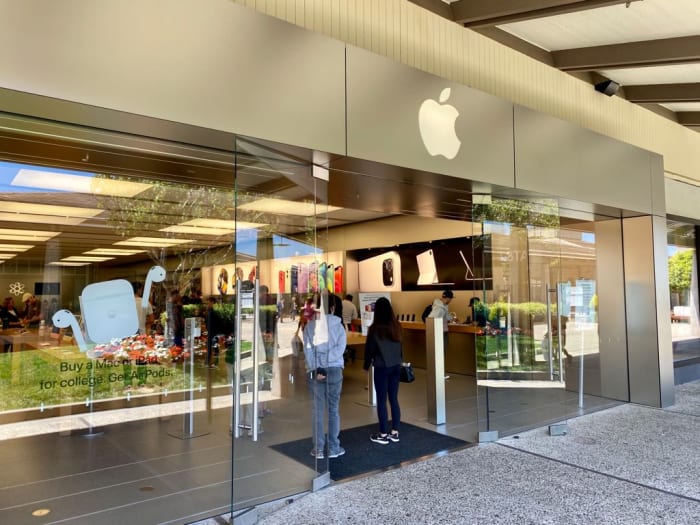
647	305
223	67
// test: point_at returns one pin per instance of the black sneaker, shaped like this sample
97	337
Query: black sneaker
378	438
393	437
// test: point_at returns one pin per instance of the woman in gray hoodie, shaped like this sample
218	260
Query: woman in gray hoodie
324	344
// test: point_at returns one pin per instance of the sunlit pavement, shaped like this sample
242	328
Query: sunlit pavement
629	464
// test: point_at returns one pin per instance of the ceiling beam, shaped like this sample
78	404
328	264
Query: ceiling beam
689	118
661	93
480	13
665	51
438	7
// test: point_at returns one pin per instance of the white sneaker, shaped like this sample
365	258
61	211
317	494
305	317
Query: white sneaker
340	452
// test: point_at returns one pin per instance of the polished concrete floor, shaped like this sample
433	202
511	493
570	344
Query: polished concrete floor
133	465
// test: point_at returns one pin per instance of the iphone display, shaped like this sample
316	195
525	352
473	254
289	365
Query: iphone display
294	278
338	278
303	278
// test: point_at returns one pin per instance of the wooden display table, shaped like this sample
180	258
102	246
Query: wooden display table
460	357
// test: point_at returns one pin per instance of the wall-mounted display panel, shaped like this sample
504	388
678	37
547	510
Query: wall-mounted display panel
462	263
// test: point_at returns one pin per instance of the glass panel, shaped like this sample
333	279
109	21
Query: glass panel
538	358
146	371
105	334
280	261
683	284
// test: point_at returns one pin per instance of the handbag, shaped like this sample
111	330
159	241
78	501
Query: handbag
297	345
406	374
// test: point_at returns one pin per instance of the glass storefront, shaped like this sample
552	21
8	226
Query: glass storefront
537	337
154	292
683	285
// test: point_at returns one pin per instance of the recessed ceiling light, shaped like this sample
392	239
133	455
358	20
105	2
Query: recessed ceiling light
224	223
152	242
15	247
40	219
50	209
88	183
111	251
7	255
26	235
46	213
61	263
81	258
211	223
197	230
287	207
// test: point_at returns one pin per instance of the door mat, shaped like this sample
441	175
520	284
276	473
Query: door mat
362	455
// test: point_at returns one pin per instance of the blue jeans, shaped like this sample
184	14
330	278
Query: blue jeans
386	384
326	398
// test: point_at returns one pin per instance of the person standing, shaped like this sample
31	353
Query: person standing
32	313
349	315
349	311
479	312
441	311
324	365
383	350
267	317
9	315
177	318
10	318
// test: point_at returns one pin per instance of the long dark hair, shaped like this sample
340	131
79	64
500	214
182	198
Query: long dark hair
385	325
335	303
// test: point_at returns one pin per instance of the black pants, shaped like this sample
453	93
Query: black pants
386	383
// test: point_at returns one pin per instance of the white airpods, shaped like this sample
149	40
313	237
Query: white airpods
155	275
64	319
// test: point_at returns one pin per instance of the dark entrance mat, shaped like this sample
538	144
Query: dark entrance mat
362	455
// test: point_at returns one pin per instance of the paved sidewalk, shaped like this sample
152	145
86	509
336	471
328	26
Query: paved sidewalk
626	465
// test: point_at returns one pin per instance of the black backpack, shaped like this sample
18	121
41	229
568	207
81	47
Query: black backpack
426	312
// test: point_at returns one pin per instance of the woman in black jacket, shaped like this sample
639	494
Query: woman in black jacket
383	351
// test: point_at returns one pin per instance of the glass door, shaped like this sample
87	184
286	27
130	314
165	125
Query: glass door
278	264
539	358
520	369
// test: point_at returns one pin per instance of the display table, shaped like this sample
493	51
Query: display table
22	339
460	357
356	339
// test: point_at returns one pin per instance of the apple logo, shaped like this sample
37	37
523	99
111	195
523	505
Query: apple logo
436	122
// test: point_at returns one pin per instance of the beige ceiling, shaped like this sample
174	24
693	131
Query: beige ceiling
651	48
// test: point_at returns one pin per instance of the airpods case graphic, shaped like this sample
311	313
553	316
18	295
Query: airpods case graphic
109	310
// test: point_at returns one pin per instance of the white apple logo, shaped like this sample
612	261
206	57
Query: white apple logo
436	122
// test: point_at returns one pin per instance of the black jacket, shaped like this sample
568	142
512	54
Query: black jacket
382	353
